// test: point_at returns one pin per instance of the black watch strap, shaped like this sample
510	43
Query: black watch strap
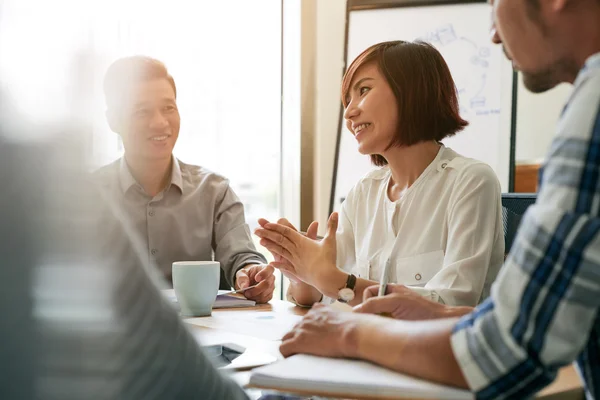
351	281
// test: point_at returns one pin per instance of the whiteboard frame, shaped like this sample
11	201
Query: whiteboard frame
355	5
360	5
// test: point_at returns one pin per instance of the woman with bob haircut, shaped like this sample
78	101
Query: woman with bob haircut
432	214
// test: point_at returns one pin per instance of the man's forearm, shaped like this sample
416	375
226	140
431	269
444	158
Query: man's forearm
234	258
456	311
421	349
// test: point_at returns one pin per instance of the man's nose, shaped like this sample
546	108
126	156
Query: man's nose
158	120
494	37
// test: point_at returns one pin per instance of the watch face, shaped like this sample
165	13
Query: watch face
346	294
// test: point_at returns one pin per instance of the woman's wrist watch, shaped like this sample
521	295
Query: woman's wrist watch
346	294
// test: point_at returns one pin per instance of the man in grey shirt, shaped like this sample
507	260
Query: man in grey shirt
182	212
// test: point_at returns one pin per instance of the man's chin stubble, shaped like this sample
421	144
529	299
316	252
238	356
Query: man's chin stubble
539	83
562	71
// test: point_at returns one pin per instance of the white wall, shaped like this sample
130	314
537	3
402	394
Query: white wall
331	25
537	115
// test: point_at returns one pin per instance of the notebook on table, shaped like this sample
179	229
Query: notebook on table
222	301
347	378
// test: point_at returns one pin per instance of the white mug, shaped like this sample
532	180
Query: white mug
196	284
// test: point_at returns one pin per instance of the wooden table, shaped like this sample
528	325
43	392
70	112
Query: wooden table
566	386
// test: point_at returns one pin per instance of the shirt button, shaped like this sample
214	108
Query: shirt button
151	213
153	251
444	165
418	277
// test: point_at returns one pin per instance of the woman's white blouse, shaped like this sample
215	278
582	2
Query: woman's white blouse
444	236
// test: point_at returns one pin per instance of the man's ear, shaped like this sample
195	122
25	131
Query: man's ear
114	121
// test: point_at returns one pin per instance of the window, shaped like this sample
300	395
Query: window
225	56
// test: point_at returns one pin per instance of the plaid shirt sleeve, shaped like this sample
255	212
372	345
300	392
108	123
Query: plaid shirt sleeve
543	310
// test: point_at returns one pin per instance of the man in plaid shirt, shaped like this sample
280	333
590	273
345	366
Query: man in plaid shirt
543	310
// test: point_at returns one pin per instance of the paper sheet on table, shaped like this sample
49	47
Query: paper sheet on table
249	357
265	325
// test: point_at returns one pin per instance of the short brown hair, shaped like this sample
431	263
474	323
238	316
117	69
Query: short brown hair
423	86
125	72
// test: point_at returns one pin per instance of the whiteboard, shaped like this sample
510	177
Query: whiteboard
482	75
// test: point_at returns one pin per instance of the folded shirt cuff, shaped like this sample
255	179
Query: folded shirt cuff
466	360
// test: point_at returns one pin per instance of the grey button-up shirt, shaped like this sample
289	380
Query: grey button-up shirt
197	217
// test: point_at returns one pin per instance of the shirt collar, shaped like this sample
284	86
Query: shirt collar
592	62
176	178
127	180
437	162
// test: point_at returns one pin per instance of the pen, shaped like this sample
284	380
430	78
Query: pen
385	276
239	290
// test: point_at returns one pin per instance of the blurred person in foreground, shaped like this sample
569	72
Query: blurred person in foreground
543	312
182	212
78	321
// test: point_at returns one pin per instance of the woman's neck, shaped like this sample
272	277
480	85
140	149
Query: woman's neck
407	164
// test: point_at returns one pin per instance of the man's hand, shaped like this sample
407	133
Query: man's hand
254	274
323	332
402	303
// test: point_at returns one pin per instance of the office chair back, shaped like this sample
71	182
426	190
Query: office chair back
514	206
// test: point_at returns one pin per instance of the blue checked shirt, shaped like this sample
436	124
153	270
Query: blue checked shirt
543	310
